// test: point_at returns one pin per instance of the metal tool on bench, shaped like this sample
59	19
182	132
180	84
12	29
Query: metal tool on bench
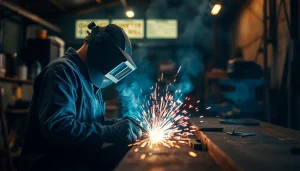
242	134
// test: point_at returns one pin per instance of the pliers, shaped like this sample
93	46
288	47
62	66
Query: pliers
242	134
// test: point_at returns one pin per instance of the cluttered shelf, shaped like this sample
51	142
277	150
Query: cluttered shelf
16	80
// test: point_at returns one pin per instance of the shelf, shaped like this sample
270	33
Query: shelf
16	80
30	16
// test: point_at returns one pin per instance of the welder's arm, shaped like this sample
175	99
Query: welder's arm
57	113
112	121
57	116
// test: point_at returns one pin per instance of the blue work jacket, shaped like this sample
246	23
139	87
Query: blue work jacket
66	111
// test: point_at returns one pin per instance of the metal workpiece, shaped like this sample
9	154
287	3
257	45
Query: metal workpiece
242	134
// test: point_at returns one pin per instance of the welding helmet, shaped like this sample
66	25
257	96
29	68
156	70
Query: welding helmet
109	54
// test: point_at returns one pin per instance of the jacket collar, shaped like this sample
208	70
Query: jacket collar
71	52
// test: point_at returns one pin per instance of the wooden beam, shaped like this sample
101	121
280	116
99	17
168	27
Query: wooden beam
124	3
58	5
30	16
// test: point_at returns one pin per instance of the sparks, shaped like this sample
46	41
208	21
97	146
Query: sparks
143	156
163	117
193	154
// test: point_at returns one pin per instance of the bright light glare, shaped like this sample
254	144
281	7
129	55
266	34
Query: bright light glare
156	136
216	9
129	13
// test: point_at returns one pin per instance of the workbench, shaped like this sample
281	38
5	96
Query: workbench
269	149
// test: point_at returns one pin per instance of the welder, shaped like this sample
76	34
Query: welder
66	117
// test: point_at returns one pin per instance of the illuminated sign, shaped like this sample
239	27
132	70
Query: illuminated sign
134	28
81	26
161	29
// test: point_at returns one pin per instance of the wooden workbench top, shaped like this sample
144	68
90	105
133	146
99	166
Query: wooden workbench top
161	158
269	149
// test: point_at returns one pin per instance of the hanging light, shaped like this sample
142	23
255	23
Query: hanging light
129	13
216	9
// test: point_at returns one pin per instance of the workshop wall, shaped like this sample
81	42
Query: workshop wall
67	22
249	37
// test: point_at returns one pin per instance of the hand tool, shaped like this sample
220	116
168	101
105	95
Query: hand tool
242	134
136	123
206	129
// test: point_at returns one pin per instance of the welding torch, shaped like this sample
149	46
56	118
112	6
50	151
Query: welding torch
136	123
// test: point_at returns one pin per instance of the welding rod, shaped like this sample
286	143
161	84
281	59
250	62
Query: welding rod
137	124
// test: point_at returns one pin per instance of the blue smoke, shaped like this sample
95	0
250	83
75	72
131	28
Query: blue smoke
135	86
192	30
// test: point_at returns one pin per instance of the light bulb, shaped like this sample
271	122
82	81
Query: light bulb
129	13
216	9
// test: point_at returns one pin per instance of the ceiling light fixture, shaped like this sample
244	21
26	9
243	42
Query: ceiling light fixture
216	9
129	13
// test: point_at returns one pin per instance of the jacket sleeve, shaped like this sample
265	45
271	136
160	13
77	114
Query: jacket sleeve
112	121
57	111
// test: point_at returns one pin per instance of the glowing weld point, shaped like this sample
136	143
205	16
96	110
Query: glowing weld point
198	101
192	154
143	156
208	108
156	136
129	145
136	150
201	116
201	121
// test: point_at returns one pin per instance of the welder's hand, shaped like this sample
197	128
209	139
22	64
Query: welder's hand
122	132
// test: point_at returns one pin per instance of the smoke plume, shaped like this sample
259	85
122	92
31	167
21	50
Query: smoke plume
193	32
